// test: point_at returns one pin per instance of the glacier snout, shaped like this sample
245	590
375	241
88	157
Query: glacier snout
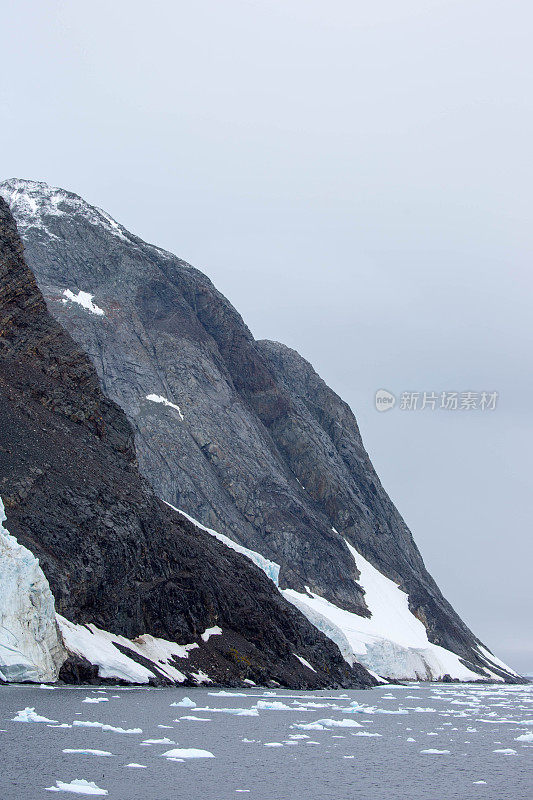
31	648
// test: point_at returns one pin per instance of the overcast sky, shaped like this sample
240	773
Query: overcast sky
356	178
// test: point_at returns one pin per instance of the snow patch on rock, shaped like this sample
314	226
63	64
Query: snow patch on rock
98	647
85	300
157	398
270	568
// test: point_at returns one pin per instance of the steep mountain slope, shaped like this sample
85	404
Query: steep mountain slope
142	593
242	435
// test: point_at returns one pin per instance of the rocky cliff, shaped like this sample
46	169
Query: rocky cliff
242	435
141	593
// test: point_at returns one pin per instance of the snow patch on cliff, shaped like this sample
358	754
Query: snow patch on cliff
270	568
392	642
99	648
85	300
30	645
157	398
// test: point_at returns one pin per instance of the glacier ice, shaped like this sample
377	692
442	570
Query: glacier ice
31	649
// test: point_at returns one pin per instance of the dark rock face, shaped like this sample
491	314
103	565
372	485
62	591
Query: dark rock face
265	452
113	553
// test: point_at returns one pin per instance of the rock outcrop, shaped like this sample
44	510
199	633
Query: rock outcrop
243	435
137	586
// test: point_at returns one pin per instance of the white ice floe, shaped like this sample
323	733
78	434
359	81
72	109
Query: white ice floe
98	647
85	300
88	752
436	752
189	752
186	702
304	662
30	643
133	765
238	712
77	787
96	700
165	740
525	737
196	719
28	715
274	705
273	744
214	631
87	724
368	733
339	723
506	751
157	398
309	726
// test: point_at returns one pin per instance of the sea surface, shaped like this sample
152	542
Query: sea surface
259	755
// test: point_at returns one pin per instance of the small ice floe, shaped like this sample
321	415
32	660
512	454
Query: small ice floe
410	739
431	751
242	790
96	700
339	723
171	727
63	725
215	630
196	719
366	733
273	744
46	686
135	766
273	705
432	733
298	736
83	724
477	783
525	737
186	702
506	751
158	741
420	710
223	693
239	712
28	715
88	752
157	398
309	726
189	752
77	787
85	300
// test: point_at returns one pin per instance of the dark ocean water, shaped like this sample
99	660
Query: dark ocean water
336	763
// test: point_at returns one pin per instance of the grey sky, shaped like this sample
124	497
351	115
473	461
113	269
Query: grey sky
356	178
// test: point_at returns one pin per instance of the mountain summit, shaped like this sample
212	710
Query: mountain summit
245	438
